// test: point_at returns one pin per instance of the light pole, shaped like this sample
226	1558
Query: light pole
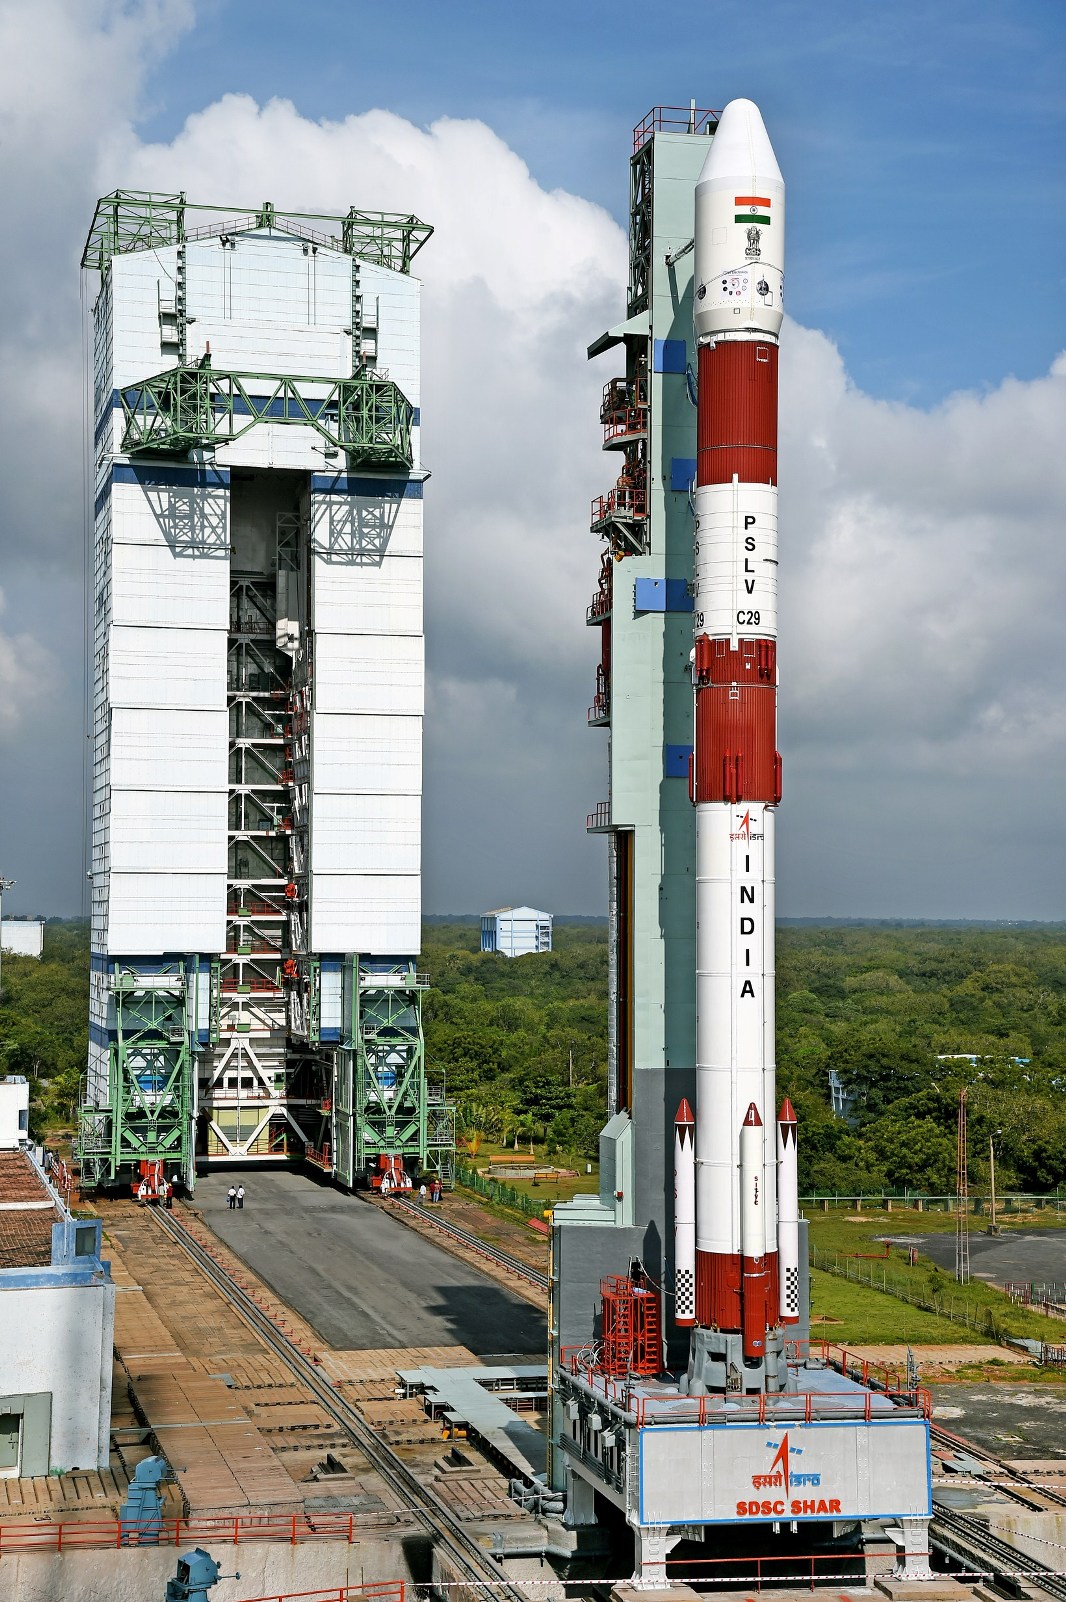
5	884
993	1227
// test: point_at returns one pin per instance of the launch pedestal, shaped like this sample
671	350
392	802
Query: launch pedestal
716	1364
748	1481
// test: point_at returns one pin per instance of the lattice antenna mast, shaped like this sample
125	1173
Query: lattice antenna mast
962	1199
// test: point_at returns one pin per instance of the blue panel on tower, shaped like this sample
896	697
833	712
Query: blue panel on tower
675	761
669	355
682	473
649	595
661	595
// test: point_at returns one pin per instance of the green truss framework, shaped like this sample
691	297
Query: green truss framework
384	1105
149	1110
137	219
365	416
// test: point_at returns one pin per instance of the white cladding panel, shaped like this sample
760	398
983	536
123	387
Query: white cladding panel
188	520
362	529
385	598
366	834
142	282
162	749
366	755
150	913
164	667
393	299
271	305
166	831
278	445
376	914
153	584
381	673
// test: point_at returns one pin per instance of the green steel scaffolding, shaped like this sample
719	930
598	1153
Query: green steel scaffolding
136	219
383	1103
366	416
149	1113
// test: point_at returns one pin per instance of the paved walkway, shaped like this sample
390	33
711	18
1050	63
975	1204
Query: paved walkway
360	1277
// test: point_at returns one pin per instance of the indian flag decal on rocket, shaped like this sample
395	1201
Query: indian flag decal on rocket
752	209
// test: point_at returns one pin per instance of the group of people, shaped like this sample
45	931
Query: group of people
435	1193
235	1196
165	1193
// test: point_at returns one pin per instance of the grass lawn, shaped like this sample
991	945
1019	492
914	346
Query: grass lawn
848	1234
550	1188
868	1317
841	1230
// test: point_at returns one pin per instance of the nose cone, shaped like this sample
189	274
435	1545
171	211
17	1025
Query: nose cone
787	1114
684	1114
741	149
751	1118
739	231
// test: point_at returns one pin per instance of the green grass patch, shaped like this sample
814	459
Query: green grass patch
864	1317
841	1230
854	1241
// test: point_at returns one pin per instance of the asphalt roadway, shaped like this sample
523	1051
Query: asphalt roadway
1031	1255
361	1278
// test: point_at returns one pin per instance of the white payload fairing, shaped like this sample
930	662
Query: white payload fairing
736	771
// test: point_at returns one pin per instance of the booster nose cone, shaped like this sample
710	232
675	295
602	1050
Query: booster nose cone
740	230
786	1115
684	1114
751	1118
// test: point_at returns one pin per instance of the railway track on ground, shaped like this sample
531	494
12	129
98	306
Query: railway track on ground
474	1243
977	1551
470	1560
967	1541
1010	1481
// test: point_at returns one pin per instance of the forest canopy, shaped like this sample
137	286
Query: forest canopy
895	1012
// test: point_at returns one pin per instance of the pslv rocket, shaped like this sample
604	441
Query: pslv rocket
736	1196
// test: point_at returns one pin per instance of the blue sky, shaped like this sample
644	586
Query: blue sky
924	143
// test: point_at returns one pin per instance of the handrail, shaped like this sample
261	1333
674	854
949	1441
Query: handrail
99	1534
386	1590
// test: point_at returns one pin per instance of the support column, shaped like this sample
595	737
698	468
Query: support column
913	1555
651	1546
580	1500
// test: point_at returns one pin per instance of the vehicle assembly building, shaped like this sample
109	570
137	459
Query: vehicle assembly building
258	692
686	1394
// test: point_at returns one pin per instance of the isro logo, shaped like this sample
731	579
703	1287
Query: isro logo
744	830
783	1475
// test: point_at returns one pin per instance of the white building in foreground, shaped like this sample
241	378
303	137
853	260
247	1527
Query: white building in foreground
57	1327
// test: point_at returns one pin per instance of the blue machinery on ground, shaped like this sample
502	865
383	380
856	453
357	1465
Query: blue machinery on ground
197	1573
684	1395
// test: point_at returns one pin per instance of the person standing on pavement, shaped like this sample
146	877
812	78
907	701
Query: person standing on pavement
422	1194
231	1197
240	1196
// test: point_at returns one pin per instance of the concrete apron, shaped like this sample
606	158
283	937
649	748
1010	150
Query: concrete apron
140	1574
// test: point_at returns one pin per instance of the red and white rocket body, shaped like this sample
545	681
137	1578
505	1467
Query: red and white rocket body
736	778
